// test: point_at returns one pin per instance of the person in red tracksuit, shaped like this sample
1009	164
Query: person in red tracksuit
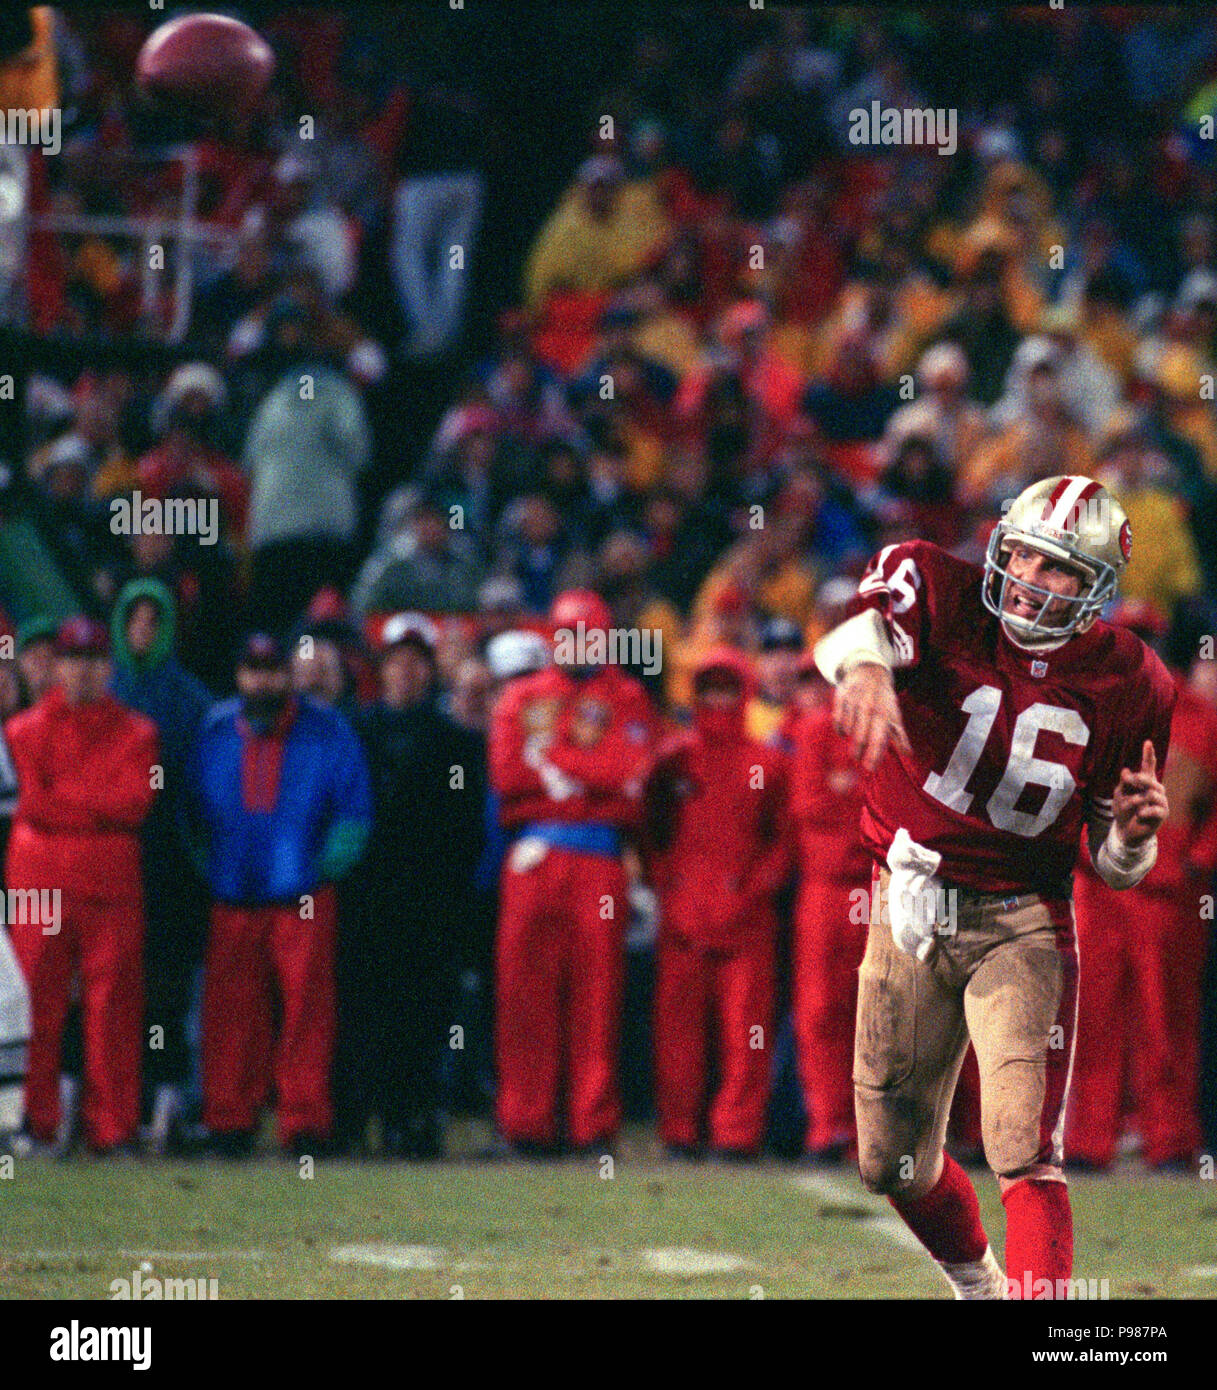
569	747
718	848
1140	997
86	783
829	930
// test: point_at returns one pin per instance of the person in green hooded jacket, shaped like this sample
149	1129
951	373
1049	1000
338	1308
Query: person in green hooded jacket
148	678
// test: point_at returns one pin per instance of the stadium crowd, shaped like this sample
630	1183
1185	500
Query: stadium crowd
409	864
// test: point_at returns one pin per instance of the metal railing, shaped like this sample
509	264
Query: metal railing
185	231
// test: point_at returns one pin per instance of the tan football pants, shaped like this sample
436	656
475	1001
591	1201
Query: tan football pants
1006	979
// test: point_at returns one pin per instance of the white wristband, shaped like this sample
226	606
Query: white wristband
860	638
1123	866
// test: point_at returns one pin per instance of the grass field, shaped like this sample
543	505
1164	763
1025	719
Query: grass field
543	1230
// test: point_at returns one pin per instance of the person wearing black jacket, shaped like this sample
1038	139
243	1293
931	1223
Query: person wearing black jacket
401	945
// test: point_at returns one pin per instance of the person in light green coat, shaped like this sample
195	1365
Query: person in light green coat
307	443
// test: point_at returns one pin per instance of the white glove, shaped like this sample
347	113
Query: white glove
913	894
557	784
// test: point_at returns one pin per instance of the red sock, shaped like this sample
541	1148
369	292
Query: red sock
1039	1235
947	1219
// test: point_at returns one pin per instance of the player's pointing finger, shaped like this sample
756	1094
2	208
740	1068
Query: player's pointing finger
1149	759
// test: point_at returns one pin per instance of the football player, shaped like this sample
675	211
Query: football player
995	715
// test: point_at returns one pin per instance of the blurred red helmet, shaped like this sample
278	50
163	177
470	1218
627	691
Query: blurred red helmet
575	606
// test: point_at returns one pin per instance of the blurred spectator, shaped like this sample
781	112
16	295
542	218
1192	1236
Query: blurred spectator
623	567
472	695
318	670
188	461
436	210
982	327
1146	950
917	493
828	942
1040	440
76	523
535	546
306	445
1088	390
568	748
420	563
86	776
94	442
686	529
717	848
777	664
148	678
311	225
236	292
35	647
943	413
401	969
1166	569
599	235
472	468
852	405
283	810
743	364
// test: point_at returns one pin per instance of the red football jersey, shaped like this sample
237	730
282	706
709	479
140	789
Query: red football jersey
1013	750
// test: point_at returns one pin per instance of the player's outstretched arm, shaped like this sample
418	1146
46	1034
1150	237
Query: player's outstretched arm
866	711
857	658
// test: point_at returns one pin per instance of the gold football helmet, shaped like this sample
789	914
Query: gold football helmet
1073	519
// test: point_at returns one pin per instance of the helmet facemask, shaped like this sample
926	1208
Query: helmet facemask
1080	610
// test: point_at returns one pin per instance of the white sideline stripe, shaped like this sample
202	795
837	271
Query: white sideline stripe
7	1255
391	1256
404	1257
193	1254
685	1260
1201	1272
882	1222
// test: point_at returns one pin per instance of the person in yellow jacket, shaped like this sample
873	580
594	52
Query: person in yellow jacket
1040	441
1166	568
1180	375
600	235
29	72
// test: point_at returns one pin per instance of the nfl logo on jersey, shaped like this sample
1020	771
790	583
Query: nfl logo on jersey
1039	668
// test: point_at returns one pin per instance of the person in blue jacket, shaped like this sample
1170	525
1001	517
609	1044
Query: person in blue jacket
284	808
